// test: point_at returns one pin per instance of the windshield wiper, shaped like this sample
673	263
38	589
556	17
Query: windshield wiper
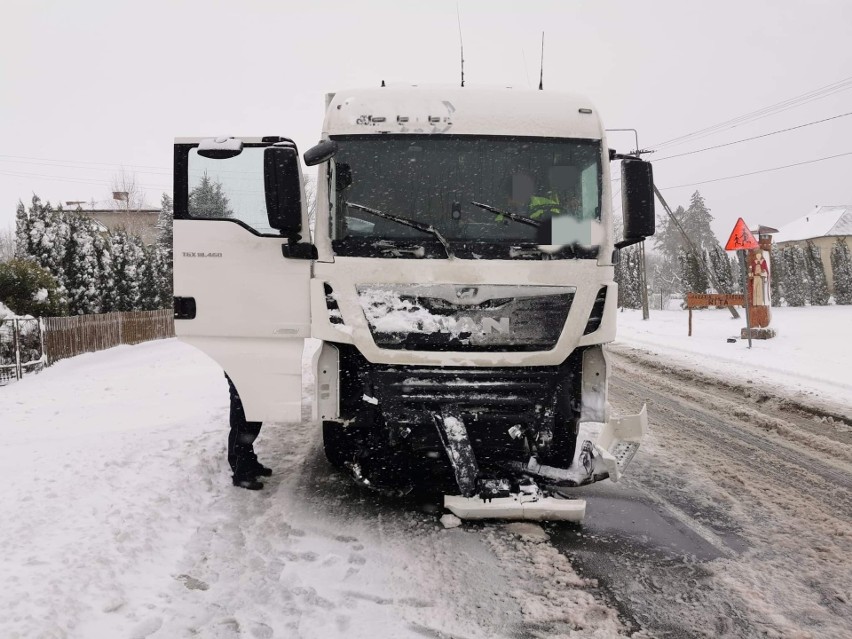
425	228
512	216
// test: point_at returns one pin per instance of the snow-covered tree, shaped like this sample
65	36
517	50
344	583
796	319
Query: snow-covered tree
149	285
127	268
777	275
82	272
818	290
694	277
7	245
28	289
628	277
796	282
22	232
163	256
722	269
685	263
102	247
841	266
209	200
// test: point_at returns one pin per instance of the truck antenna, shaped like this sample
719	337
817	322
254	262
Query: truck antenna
461	43
541	74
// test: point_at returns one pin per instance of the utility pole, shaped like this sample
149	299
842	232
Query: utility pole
643	281
698	257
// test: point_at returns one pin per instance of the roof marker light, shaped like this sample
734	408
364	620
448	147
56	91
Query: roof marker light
585	110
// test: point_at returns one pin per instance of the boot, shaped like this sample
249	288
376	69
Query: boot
247	482
259	470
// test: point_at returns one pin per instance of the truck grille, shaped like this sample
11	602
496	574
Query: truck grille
441	317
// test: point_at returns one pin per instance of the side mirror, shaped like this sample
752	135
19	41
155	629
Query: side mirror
283	185
322	152
637	200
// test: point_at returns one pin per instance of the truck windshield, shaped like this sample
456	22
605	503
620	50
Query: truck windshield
436	180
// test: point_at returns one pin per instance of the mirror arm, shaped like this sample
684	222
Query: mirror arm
300	251
629	242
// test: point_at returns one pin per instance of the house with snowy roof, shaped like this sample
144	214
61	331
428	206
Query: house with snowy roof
120	212
822	226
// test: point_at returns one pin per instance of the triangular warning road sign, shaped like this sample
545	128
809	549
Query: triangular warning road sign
741	238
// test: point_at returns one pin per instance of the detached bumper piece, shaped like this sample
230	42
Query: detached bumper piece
607	458
528	504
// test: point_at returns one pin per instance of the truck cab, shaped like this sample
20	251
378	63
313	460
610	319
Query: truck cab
459	277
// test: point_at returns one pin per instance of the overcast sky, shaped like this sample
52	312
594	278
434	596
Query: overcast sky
89	87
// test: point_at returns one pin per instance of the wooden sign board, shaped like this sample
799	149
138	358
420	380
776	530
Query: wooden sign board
705	300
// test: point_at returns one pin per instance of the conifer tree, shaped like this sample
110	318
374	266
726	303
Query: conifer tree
841	266
102	246
721	266
796	283
163	255
627	276
818	291
22	232
149	290
82	273
776	275
127	256
209	200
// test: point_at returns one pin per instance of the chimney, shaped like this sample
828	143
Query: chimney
121	196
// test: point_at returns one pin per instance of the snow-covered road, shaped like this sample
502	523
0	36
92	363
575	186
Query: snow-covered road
736	518
119	521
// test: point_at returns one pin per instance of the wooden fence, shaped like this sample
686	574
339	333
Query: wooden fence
69	336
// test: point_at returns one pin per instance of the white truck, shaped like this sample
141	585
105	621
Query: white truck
459	276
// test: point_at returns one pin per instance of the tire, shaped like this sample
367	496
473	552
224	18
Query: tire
340	444
560	453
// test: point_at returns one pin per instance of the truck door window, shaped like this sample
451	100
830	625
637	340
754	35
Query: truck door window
229	188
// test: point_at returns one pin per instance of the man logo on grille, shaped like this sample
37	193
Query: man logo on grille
486	326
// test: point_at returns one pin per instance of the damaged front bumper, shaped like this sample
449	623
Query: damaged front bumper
605	458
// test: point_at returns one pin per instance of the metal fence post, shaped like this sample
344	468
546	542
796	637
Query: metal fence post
17	339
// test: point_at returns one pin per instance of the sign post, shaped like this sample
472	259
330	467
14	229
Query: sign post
742	240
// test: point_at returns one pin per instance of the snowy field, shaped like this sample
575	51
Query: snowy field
120	522
810	358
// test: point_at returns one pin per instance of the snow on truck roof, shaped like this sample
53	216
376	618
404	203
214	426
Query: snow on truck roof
461	111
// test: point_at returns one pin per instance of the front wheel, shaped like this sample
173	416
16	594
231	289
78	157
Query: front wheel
340	443
560	452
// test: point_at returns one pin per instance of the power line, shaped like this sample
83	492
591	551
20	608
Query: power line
756	137
777	168
778	107
59	178
114	164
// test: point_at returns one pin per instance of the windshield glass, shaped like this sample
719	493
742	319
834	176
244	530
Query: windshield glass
436	180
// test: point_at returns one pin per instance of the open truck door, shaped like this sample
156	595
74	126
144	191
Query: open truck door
241	269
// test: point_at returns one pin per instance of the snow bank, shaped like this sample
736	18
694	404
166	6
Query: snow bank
809	357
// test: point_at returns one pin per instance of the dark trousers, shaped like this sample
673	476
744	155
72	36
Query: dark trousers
241	455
